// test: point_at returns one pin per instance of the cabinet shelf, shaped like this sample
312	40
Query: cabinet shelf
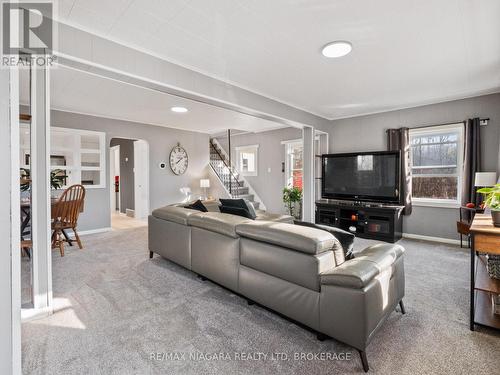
484	310
483	280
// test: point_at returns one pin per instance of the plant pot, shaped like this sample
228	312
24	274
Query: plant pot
495	216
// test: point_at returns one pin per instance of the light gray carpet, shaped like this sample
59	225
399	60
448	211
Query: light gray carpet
116	307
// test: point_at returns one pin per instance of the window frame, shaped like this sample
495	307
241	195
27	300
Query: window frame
435	202
246	148
76	167
288	168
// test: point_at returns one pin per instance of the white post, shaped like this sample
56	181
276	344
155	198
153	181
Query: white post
10	274
40	189
308	208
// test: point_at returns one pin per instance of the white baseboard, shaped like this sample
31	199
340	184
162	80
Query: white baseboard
90	231
431	239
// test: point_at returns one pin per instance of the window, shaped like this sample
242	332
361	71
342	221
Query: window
293	164
247	160
77	154
436	162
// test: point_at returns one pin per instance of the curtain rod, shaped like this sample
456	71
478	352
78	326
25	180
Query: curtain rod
447	123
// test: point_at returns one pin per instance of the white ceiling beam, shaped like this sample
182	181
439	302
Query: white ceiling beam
82	50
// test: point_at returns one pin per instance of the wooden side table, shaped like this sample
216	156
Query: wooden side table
485	240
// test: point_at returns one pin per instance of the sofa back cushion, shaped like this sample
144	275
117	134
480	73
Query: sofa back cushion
304	239
290	265
236	211
176	214
217	222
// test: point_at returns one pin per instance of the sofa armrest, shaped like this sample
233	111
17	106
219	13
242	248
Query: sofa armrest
359	272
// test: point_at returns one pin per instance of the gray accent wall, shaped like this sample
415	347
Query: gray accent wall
367	133
127	198
163	184
270	181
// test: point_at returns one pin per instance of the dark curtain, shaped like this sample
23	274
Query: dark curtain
472	159
399	140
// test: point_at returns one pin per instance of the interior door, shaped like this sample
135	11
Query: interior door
141	179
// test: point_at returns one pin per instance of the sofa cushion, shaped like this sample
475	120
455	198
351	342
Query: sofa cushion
266	216
217	222
198	206
176	214
358	272
290	265
236	211
304	239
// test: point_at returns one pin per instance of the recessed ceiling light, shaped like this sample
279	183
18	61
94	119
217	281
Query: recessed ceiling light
336	49
179	109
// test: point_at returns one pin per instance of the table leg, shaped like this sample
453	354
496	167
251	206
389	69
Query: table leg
67	237
472	281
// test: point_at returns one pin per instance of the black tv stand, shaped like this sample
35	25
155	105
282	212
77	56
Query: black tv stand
375	221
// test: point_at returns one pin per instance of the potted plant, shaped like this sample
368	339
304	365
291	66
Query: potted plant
292	197
492	200
57	179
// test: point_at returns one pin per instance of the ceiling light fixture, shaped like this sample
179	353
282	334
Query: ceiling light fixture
179	109
337	49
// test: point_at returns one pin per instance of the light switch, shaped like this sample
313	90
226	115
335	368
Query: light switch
269	170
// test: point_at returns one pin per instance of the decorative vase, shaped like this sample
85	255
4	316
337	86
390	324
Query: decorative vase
297	210
495	216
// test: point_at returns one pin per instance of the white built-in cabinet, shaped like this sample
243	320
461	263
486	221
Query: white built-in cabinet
79	153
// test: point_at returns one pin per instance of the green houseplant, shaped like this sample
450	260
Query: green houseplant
492	200
57	179
292	197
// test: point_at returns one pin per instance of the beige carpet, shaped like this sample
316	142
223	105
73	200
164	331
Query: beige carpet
116	307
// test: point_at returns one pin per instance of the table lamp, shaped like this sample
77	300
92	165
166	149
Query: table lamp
485	179
205	183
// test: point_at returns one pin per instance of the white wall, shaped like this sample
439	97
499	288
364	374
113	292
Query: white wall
163	184
268	184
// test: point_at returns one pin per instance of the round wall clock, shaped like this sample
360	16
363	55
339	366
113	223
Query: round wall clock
178	160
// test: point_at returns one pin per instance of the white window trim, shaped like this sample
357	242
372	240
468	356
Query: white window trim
444	203
78	151
238	167
289	144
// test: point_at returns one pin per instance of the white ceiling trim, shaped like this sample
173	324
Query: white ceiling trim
187	66
430	102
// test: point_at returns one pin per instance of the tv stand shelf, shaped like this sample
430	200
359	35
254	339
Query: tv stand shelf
366	220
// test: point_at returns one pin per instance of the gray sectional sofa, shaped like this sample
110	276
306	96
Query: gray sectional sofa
298	271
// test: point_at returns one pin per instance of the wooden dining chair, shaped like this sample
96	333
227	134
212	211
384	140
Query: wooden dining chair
65	216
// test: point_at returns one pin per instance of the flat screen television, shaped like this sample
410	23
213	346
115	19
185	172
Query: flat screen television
363	176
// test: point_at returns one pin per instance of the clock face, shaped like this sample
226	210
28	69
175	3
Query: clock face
178	160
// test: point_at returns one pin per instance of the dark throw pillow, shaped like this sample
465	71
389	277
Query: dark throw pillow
197	206
236	211
242	204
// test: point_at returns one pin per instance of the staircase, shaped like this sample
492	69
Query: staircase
234	184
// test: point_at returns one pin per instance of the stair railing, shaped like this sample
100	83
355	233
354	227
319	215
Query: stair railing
224	171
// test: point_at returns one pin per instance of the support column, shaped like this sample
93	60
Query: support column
10	274
308	174
40	189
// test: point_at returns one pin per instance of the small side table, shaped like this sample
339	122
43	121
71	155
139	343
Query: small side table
485	238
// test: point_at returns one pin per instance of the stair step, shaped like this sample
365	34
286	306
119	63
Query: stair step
241	190
246	196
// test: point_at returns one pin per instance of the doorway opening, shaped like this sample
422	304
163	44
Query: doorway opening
129	182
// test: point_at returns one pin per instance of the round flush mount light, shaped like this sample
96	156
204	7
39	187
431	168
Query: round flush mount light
337	49
179	109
